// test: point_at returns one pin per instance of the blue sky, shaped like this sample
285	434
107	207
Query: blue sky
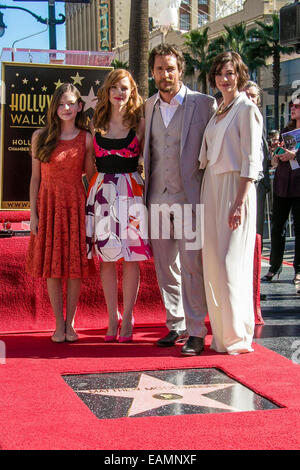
20	24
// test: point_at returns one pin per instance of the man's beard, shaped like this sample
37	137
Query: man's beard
166	86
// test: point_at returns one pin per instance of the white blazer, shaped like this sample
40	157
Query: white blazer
237	143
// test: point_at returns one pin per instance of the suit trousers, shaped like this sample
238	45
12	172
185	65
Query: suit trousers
281	210
178	262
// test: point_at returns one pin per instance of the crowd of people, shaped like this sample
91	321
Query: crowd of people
176	178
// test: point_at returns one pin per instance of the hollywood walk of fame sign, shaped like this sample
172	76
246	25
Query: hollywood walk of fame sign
162	393
26	93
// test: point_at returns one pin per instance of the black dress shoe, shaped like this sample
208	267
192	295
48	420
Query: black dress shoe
172	338
193	347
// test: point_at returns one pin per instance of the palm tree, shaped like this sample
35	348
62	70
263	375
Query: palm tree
196	59
235	39
265	42
118	64
139	44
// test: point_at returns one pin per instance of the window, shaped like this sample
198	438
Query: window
185	21
270	122
202	19
202	2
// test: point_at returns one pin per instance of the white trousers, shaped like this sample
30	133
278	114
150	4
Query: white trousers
228	263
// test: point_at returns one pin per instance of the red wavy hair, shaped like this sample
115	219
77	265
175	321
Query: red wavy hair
134	108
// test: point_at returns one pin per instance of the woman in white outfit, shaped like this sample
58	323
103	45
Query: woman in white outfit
230	154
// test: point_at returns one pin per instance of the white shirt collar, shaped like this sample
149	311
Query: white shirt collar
176	100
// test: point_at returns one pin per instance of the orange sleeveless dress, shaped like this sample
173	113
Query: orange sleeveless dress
59	248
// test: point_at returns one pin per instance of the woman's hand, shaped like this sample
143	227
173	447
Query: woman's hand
235	216
140	169
34	222
274	161
288	155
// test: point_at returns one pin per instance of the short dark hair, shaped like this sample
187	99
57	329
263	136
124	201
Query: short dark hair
167	49
239	66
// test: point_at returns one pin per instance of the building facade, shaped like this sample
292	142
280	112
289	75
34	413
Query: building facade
100	25
104	25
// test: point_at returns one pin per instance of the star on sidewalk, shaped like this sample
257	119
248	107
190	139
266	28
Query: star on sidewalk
152	393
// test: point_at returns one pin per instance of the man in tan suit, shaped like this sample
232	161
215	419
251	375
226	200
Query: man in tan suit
175	122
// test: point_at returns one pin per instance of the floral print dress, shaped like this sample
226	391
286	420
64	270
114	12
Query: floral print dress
116	218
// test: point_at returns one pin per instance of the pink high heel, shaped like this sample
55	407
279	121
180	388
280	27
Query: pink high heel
127	339
112	338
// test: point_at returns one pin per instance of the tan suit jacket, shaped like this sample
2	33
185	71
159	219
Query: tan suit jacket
198	109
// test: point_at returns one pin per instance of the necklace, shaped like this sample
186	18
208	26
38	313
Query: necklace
222	109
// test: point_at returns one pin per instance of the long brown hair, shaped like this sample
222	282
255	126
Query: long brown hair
134	107
48	138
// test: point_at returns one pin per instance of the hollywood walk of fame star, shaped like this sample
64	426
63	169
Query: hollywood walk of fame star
77	79
90	100
152	393
58	83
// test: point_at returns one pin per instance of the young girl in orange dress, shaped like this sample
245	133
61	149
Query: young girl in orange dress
61	151
115	213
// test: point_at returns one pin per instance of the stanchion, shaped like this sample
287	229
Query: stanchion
256	281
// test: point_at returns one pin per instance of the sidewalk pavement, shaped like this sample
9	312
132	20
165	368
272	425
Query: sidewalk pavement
280	310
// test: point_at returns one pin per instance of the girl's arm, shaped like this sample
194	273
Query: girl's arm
34	186
89	164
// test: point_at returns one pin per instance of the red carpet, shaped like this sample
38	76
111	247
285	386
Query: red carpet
39	411
14	216
24	303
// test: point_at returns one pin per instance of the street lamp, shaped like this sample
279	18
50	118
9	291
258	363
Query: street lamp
51	21
2	25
